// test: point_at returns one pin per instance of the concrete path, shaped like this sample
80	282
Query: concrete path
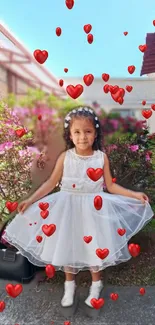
43	307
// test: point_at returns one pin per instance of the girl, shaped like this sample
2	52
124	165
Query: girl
83	221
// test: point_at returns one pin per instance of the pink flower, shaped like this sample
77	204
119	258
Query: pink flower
147	157
134	148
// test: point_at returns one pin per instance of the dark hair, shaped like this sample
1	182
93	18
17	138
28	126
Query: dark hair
98	144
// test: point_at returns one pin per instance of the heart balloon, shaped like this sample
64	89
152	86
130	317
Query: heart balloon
39	239
114	296
11	206
14	290
102	253
44	214
129	88
49	230
106	88
50	271
134	249
87	239
87	28
142	291
2	306
58	31
74	91
40	56
43	206
121	232
94	174
105	77
61	82
90	38
69	4
97	303
20	132
98	202
147	113
88	79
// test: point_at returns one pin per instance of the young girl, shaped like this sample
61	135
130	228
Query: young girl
83	221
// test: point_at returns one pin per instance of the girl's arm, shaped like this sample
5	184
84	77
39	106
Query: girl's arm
51	183
112	187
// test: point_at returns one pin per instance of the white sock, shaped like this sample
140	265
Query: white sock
69	290
94	292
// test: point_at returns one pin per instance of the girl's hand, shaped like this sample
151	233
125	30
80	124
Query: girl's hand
23	206
141	196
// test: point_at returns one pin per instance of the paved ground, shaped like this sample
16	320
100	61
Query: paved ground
43	307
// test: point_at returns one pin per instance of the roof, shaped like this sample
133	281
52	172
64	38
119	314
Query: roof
148	65
16	58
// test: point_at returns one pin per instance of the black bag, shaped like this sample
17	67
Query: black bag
13	265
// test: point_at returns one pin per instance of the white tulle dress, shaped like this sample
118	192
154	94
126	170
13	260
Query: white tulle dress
73	213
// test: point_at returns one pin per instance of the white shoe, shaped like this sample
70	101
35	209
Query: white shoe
68	297
94	292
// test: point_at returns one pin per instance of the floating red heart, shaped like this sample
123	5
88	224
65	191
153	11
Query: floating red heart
142	48
94	174
14	290
87	239
90	38
69	4
129	88
147	113
40	56
74	91
113	89
43	206
11	206
106	88
97	303
50	271
87	28
114	296
20	132
98	202
153	107
144	102
105	77
134	249
39	239
114	180
153	22
131	69
39	117
118	95
2	306
61	83
65	70
58	31
142	291
125	33
120	100
102	253
88	79
49	230
44	214
121	231
67	322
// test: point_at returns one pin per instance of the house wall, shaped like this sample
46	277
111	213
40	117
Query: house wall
143	89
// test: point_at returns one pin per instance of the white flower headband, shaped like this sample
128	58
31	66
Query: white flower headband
68	118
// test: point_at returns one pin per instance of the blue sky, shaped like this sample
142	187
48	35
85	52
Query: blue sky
34	22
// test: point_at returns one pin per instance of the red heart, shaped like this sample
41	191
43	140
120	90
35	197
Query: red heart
39	239
67	322
97	303
102	253
74	91
129	88
153	22
98	202
44	214
43	206
90	38
121	232
153	107
147	113
105	77
69	4
14	290
87	239
11	206
134	249
39	117
106	88
49	229
119	94
114	180
88	79
114	296
40	56
125	33
87	28
142	291
95	174
58	31
50	271
144	102
61	82
120	100
20	132
131	69
113	89
2	306
142	48
65	70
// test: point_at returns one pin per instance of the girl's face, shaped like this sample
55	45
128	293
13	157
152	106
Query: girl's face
82	133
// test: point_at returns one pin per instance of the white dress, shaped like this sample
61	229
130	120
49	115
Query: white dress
73	213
